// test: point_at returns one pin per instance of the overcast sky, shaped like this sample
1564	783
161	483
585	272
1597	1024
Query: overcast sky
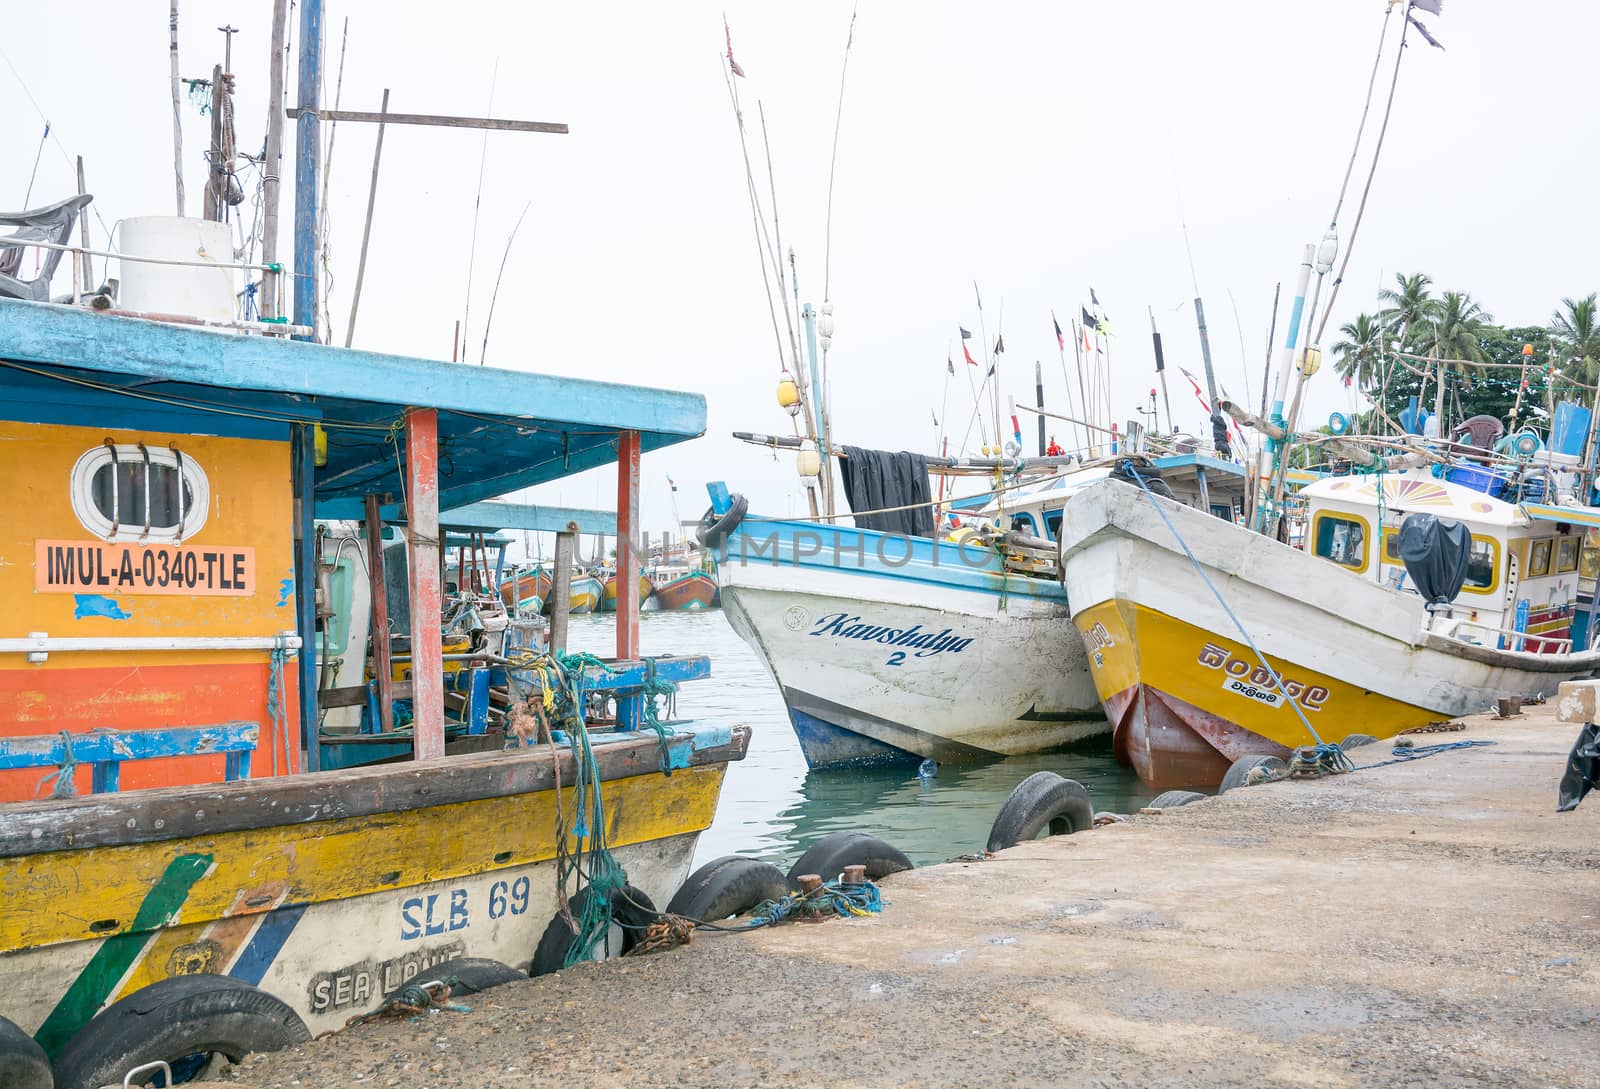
1039	149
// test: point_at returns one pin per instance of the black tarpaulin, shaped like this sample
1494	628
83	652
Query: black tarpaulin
1583	770
876	480
1436	553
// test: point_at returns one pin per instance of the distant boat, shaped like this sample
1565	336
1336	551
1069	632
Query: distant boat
608	599
682	591
526	590
587	593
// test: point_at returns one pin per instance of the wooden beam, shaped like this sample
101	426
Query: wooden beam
210	809
443	120
427	599
561	587
379	582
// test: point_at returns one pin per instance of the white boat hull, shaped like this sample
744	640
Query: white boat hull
880	665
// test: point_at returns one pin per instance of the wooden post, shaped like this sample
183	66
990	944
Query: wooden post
628	545
561	587
270	179
366	230
422	523
857	875
83	233
809	883
382	668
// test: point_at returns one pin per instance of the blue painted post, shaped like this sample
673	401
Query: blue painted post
308	154
302	450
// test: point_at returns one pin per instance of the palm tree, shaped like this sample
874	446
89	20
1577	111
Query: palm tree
1457	328
1358	356
1455	334
1577	336
1409	309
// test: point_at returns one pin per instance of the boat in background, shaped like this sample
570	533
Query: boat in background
889	648
526	590
608	598
683	590
587	593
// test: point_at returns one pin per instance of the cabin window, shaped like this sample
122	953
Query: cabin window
1024	523
1483	564
138	492
1052	524
1539	559
1342	540
1566	555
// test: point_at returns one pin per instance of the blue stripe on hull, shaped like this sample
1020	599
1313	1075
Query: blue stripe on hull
828	746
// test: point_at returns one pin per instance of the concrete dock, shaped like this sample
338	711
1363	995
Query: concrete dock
1433	923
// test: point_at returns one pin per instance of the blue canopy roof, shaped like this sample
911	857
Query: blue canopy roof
499	430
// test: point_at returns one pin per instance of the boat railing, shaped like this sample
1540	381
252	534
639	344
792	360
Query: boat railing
1503	638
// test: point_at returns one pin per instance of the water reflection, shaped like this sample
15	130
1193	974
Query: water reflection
772	806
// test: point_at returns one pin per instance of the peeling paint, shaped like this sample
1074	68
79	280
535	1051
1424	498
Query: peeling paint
98	605
285	592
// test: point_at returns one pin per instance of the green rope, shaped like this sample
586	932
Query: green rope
63	786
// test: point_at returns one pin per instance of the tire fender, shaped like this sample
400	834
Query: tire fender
712	534
1171	799
829	856
631	909
174	1018
1240	772
23	1063
730	885
1043	799
472	975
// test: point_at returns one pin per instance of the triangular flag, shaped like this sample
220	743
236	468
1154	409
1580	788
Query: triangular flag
999	344
964	334
970	360
1061	341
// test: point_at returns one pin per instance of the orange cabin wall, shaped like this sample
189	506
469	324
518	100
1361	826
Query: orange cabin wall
251	505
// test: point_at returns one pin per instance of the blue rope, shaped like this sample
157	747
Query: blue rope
62	776
1325	752
1404	755
275	708
843	898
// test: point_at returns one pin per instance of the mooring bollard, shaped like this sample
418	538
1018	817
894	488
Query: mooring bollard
809	883
855	875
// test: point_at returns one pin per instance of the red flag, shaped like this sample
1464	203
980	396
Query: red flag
733	65
968	354
1061	340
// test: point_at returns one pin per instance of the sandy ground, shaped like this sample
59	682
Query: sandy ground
1433	924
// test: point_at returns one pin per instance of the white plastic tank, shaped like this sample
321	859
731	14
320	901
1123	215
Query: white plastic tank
191	290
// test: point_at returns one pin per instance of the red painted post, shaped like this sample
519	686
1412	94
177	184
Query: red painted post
627	545
427	654
380	615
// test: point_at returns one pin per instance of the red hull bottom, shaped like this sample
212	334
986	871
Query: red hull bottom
1171	743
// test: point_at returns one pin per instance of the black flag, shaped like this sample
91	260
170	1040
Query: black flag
1089	321
950	364
999	344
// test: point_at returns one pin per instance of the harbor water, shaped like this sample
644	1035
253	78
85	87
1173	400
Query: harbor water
772	806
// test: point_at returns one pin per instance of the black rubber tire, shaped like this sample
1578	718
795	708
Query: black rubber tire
1171	799
1355	741
1239	771
836	850
473	974
712	534
23	1063
630	908
1044	799
174	1018
728	886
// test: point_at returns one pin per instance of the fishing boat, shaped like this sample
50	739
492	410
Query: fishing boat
527	589
1349	644
587	593
893	648
608	600
678	588
206	842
